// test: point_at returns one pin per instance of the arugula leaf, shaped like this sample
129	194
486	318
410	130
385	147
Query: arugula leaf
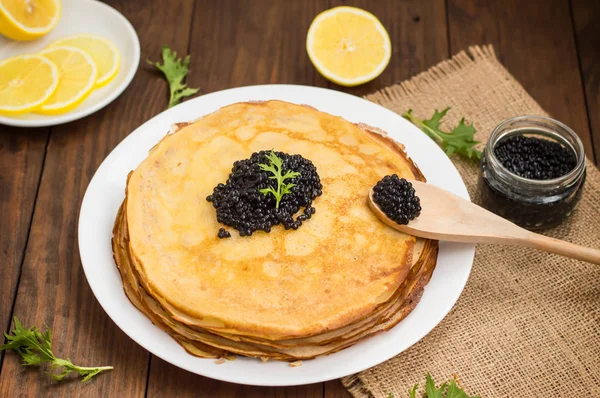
175	71
413	393
460	140
275	167
430	389
447	390
454	391
35	348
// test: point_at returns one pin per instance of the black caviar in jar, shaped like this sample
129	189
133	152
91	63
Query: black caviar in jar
396	198
532	172
535	158
240	204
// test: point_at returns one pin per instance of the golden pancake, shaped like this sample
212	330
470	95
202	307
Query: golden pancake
341	277
200	342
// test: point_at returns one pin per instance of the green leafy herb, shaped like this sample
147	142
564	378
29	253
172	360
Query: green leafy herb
430	389
454	391
175	70
459	141
447	390
275	167
413	393
36	348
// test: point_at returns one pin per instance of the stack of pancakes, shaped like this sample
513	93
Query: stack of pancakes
288	295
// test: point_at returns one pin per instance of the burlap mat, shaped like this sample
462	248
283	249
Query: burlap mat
527	323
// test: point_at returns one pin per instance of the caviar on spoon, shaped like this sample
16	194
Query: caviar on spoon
396	197
445	216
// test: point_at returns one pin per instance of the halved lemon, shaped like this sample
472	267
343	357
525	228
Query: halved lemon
77	78
104	53
348	45
26	82
28	19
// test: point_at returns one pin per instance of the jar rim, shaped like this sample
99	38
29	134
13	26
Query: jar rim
577	148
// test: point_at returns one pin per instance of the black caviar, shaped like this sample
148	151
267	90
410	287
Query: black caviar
535	158
396	198
241	205
532	172
223	233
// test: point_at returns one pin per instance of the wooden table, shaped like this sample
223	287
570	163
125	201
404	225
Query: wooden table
551	47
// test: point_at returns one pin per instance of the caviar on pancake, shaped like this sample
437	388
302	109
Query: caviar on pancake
396	197
223	233
242	203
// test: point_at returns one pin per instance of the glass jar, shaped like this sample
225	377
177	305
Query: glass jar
532	204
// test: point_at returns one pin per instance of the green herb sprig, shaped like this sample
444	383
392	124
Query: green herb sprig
35	348
275	167
449	389
175	70
459	141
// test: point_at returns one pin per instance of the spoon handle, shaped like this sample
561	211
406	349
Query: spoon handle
561	247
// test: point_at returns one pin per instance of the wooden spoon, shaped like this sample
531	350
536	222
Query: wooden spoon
445	216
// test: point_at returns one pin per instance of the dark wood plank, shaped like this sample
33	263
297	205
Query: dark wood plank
418	33
535	41
586	16
168	381
21	157
335	389
53	289
238	43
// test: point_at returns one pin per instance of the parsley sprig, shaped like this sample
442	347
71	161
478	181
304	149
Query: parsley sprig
275	167
175	70
35	348
459	141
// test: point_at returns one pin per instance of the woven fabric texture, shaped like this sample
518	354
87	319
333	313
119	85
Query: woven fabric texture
528	322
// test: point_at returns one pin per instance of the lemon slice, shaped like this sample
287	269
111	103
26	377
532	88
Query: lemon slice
104	53
28	19
77	78
26	82
348	46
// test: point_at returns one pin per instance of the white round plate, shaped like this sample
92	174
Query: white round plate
106	192
81	16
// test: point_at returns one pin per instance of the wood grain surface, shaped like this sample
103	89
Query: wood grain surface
535	41
21	160
551	47
586	19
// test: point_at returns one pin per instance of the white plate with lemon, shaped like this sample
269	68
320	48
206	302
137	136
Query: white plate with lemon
61	60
